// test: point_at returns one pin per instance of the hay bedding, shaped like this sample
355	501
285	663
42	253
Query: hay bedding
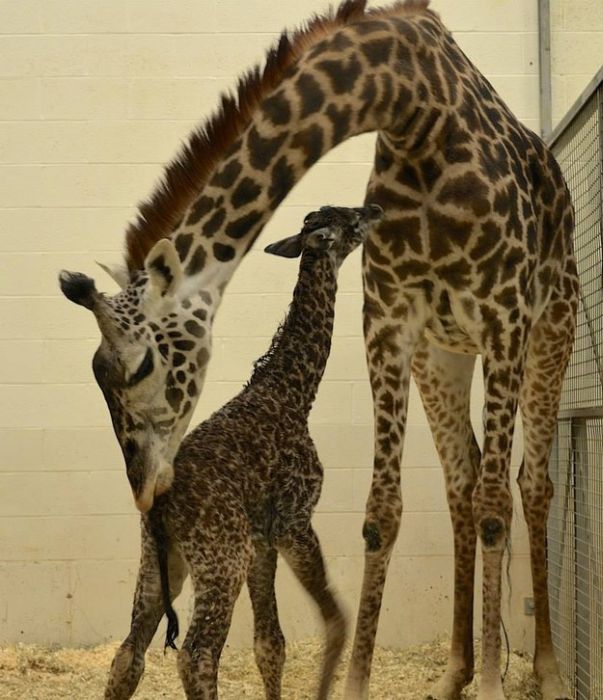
36	673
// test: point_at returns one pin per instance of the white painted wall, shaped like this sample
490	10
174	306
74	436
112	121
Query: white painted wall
576	49
94	97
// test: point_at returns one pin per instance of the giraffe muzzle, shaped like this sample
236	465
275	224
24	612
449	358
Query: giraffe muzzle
147	483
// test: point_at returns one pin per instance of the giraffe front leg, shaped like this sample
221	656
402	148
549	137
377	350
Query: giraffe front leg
128	663
548	354
444	382
389	346
493	507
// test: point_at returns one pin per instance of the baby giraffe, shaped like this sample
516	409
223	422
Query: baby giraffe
245	486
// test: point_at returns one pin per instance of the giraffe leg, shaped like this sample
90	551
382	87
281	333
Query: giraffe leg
217	580
128	664
303	554
492	502
444	382
548	355
389	346
268	640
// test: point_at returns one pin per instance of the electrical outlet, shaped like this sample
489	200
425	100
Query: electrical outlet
528	606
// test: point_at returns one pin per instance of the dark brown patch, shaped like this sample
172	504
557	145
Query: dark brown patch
310	142
182	243
226	176
342	74
311	95
262	150
197	262
199	209
282	181
246	191
212	225
377	51
240	227
223	253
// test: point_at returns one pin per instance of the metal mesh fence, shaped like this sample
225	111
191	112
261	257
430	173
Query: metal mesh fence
575	532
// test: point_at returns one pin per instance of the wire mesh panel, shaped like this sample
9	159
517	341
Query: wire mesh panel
575	532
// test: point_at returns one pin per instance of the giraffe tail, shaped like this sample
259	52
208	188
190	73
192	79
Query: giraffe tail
162	544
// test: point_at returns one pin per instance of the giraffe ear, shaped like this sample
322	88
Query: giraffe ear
118	273
287	247
163	267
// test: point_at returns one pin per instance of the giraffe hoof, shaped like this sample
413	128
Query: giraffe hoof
554	689
446	688
552	686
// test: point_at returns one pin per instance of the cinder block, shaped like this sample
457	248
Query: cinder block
43	317
101	602
20	449
582	16
65	493
568	58
22	361
337	491
343	183
347	360
44	55
262	16
487	15
72	538
22	17
343	446
494	53
69	361
333	403
74	97
521	93
86	449
191	99
83	17
184	16
20	98
36	608
55	229
51	405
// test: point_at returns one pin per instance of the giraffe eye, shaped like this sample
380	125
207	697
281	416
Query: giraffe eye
145	368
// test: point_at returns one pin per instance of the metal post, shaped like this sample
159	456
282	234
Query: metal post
544	41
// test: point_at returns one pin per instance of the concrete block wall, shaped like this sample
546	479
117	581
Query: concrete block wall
576	49
94	97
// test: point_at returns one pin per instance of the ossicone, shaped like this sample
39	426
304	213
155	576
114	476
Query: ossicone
78	288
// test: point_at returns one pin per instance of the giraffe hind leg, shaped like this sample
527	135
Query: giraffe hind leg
444	382
128	664
303	554
548	354
268	640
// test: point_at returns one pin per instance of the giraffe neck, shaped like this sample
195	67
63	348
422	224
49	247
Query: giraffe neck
296	360
346	85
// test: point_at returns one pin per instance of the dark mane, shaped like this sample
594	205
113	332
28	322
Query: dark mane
186	175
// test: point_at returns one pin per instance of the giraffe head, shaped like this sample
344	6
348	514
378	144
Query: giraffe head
150	365
332	231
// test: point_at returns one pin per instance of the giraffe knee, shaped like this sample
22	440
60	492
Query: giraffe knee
492	532
380	534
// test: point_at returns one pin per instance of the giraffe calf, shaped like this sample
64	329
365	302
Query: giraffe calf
245	486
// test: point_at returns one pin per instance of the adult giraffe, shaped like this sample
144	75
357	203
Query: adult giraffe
474	257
